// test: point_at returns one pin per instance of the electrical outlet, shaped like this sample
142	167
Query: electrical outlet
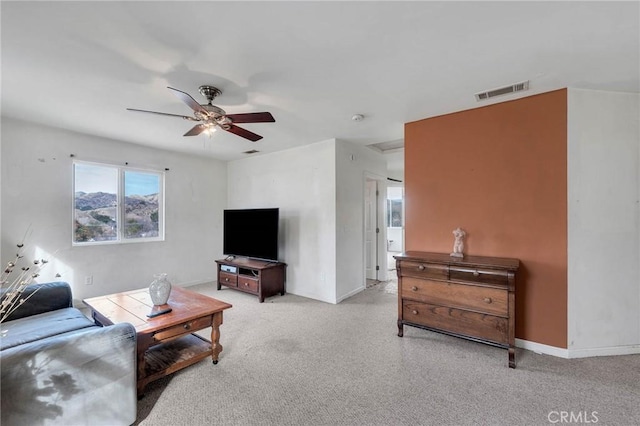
88	280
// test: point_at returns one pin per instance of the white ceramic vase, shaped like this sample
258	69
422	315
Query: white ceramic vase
160	289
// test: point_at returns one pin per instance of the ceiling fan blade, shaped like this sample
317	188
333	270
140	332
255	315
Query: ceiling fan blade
252	117
196	130
243	133
164	113
187	99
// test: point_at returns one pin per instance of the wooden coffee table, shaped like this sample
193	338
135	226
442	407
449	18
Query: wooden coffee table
165	344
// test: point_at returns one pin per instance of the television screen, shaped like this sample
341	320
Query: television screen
251	233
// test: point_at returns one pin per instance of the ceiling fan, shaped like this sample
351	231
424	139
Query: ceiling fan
212	117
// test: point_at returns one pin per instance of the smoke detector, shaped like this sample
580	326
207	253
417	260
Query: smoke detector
516	87
357	117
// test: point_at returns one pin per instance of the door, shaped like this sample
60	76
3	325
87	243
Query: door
371	229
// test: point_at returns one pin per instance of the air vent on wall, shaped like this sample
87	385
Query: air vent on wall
488	94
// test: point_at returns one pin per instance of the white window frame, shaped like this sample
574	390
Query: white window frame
120	197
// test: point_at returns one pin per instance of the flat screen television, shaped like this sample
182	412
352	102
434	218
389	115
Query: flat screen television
251	233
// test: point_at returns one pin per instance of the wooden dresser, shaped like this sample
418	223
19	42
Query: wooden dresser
472	297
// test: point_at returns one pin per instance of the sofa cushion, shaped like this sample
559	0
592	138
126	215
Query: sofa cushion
84	377
41	326
40	298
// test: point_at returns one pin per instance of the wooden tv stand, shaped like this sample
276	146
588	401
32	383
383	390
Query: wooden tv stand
259	277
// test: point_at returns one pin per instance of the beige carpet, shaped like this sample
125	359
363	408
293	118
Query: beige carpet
295	361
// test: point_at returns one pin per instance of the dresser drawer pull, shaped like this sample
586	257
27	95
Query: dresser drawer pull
246	284
414	288
414	312
488	300
476	273
421	267
226	279
187	326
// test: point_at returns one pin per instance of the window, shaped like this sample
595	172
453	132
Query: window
394	213
116	204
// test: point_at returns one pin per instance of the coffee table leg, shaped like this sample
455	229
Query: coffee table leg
216	347
141	370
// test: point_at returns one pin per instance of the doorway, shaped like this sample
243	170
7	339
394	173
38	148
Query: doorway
395	226
371	230
375	230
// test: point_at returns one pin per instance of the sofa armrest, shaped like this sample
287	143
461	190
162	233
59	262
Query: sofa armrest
82	378
42	298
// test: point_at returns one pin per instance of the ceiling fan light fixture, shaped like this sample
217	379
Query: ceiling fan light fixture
211	117
209	92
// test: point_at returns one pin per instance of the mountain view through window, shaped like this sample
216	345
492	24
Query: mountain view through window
113	204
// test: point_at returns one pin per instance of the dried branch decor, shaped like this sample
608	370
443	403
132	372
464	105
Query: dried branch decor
13	286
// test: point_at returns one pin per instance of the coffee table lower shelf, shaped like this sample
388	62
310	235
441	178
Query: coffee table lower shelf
169	357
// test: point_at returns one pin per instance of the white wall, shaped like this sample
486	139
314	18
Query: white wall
37	191
603	227
301	182
395	163
354	164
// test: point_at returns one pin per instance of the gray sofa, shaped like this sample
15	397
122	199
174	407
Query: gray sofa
58	367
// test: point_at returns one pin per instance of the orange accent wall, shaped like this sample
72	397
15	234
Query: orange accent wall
500	173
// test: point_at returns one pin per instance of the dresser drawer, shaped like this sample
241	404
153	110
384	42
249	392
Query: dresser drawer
465	323
184	328
486	276
484	299
248	283
230	280
423	270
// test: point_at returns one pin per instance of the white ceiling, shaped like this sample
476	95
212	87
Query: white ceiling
313	65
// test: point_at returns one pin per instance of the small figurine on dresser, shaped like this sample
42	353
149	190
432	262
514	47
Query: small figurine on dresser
458	244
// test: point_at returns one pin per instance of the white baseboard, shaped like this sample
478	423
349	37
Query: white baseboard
211	281
351	293
577	353
607	351
541	348
310	296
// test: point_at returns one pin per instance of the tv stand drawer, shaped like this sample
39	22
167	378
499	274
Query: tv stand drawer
249	284
228	279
